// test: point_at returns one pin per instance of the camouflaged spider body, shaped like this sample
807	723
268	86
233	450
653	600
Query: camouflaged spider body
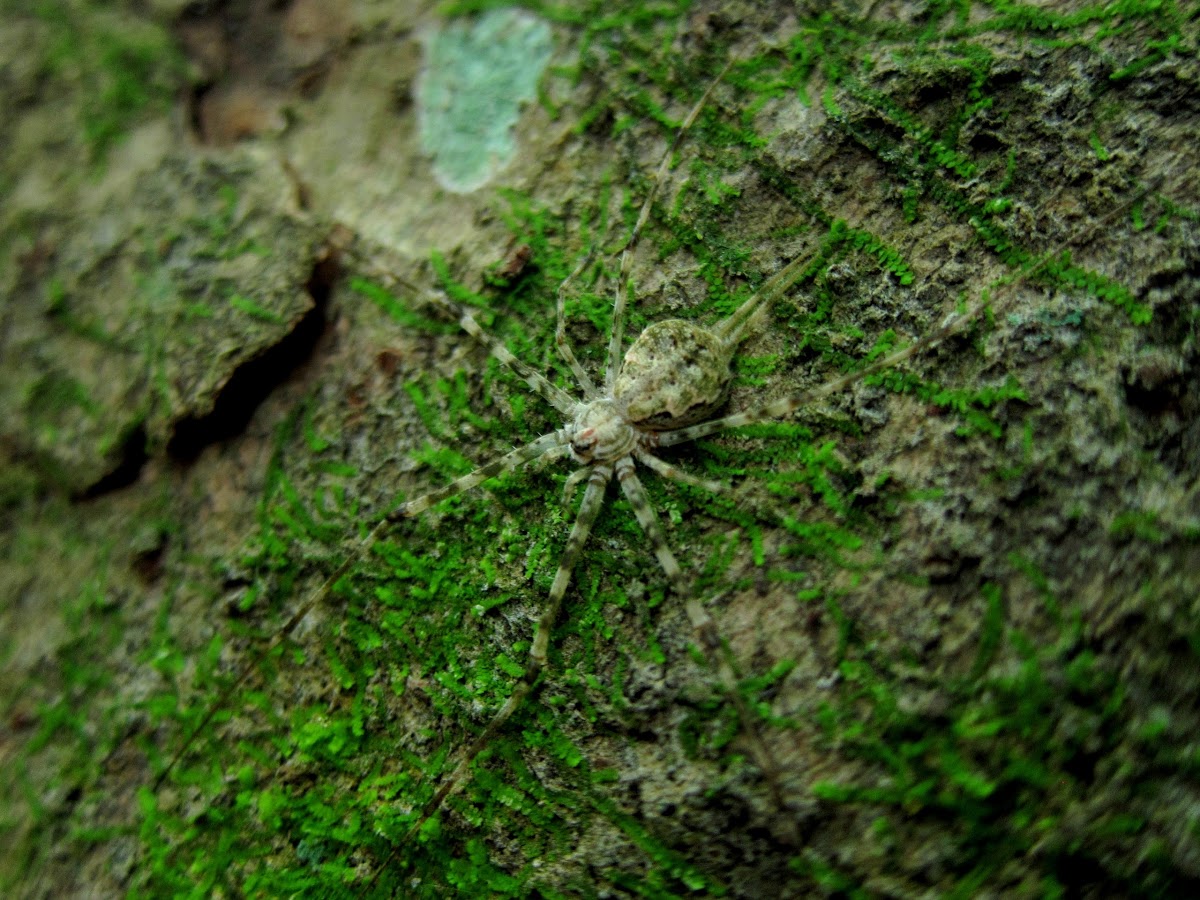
662	391
674	374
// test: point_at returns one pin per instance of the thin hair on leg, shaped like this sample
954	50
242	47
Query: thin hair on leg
547	443
560	334
674	473
552	394
538	383
785	406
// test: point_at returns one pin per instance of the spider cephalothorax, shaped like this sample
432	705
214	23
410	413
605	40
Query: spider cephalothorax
675	373
600	433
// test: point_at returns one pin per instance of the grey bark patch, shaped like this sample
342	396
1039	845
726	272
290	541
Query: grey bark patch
139	321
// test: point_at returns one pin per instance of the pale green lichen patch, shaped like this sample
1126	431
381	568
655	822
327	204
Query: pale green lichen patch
476	78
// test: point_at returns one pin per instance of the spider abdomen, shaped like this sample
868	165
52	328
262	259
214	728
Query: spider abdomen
675	373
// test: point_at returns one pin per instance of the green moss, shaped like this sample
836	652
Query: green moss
419	596
124	68
1001	763
306	767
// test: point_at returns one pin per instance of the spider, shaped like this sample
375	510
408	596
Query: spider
665	389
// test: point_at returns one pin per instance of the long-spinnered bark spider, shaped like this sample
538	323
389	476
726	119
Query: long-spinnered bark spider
662	391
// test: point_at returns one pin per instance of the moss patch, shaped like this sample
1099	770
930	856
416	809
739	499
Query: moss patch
960	597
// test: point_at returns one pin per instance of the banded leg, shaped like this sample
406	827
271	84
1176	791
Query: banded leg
573	481
785	406
552	394
702	623
746	317
616	339
674	473
317	595
560	336
589	509
547	443
953	324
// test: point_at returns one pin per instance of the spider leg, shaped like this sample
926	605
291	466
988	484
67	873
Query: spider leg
745	318
616	339
316	596
552	394
573	481
666	470
749	315
547	443
734	327
560	336
706	630
785	406
589	508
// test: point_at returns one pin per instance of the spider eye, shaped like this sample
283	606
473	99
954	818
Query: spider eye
584	443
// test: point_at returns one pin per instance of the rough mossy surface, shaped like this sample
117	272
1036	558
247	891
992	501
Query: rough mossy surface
138	278
961	596
125	336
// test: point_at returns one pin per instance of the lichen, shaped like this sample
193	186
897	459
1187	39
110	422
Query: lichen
476	77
